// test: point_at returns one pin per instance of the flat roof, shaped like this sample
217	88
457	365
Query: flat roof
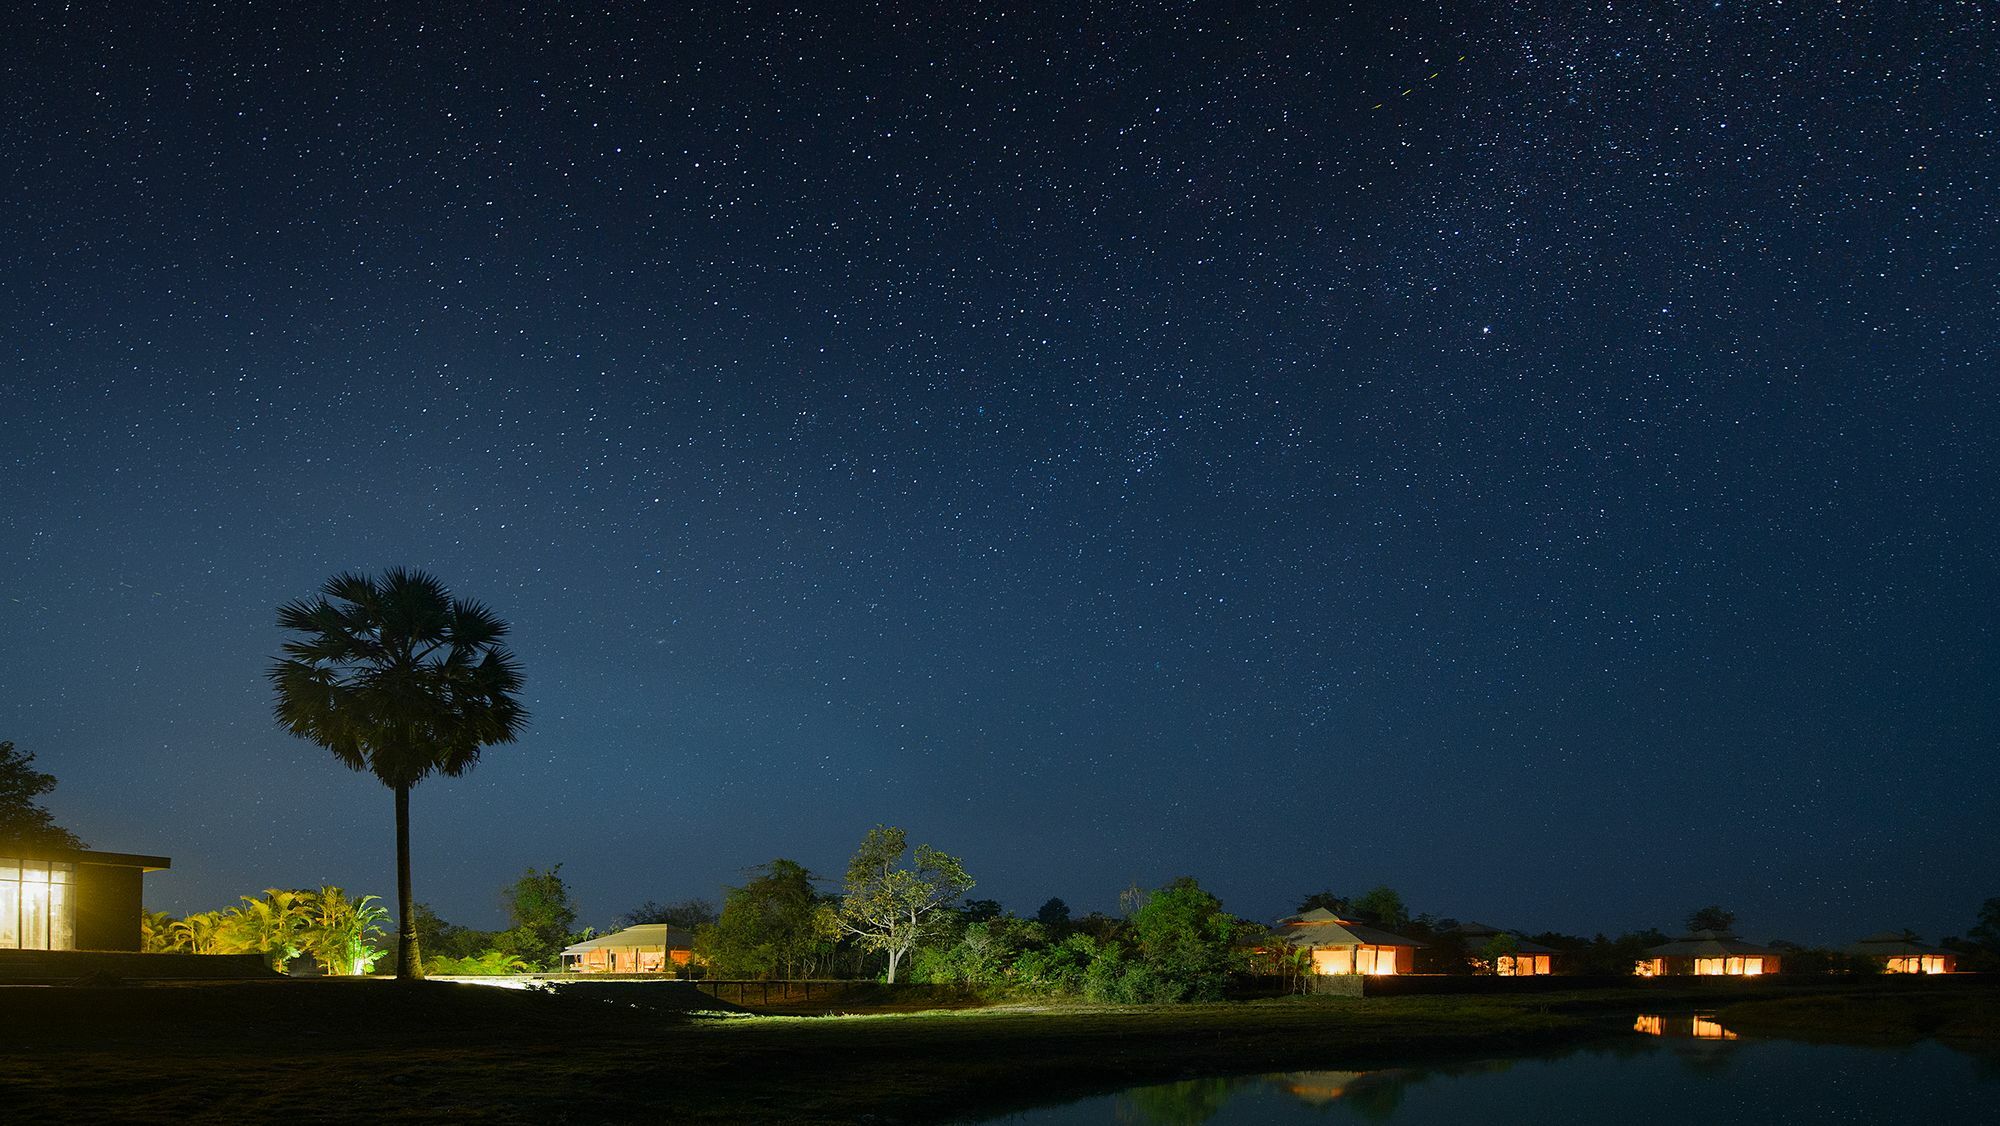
88	856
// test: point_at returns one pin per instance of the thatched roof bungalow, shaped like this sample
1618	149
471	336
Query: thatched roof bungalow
1341	946
1709	953
1900	952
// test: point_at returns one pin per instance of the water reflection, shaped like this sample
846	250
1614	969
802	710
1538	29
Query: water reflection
1371	1096
1697	1026
1187	1103
1684	1067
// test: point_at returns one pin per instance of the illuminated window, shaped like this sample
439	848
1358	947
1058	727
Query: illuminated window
37	906
1334	960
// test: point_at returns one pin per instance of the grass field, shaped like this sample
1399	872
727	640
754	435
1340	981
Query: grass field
332	1050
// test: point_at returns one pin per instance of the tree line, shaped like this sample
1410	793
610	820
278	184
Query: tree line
397	677
898	914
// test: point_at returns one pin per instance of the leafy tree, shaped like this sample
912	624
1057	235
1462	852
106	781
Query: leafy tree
398	678
1104	979
22	820
985	954
1979	950
1609	957
1187	942
542	917
1502	945
1445	953
1381	906
893	909
1054	917
1987	931
1131	899
490	963
1099	926
980	910
1057	968
446	939
769	927
1711	918
687	914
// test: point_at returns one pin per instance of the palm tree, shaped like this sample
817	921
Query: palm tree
398	678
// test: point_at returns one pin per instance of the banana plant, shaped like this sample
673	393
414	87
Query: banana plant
272	926
338	930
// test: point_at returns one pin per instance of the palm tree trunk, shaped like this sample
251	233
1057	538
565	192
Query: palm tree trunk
409	960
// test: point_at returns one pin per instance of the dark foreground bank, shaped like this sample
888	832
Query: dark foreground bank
347	1050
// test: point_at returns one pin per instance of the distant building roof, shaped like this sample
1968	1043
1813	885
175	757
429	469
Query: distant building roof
1321	927
1480	932
1711	944
1893	944
662	935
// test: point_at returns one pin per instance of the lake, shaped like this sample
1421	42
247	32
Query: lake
1689	1069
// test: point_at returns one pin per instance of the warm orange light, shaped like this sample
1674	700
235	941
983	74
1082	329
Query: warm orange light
1375	961
1320	1086
1732	966
1705	1028
1693	1025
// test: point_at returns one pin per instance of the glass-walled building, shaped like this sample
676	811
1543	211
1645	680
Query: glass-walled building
37	911
71	899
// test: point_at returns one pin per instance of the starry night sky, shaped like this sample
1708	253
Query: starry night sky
1540	459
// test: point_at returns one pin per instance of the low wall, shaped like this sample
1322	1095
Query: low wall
91	966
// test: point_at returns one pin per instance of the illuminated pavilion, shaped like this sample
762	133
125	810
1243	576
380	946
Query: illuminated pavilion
1341	946
1528	959
1900	952
645	949
1708	954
